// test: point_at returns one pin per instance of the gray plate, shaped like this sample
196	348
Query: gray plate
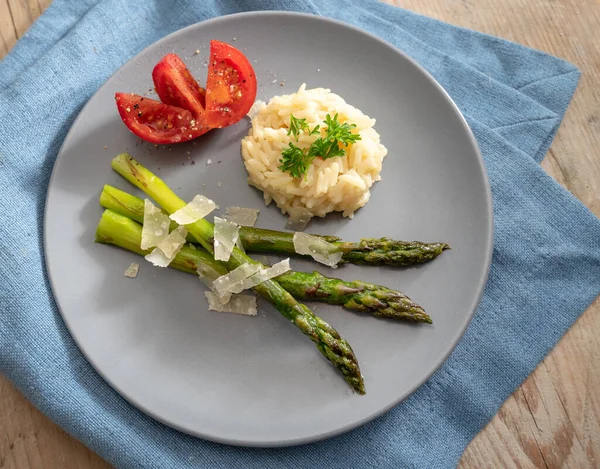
258	381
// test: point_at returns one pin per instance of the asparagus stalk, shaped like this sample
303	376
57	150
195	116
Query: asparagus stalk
368	251
124	232
327	340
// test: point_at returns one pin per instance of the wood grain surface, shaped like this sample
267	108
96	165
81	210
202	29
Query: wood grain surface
553	419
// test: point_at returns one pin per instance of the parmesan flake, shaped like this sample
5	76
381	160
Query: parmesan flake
299	218
132	270
207	276
255	109
156	225
168	248
266	274
173	243
232	281
239	304
158	258
317	248
241	216
225	238
198	208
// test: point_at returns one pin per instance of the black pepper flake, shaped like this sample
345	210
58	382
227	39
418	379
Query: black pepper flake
193	162
139	114
135	106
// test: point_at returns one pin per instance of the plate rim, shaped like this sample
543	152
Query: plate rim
460	333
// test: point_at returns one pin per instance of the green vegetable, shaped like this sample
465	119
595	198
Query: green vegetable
368	251
299	125
124	232
295	161
338	136
328	341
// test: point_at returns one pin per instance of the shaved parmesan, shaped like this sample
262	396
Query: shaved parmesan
226	236
255	109
239	304
299	218
241	216
207	276
240	246
132	270
319	249
156	225
173	243
168	248
158	258
266	274
198	208
232	282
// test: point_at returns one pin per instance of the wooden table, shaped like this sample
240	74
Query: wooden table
553	419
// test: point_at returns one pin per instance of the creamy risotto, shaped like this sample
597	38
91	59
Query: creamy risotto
335	184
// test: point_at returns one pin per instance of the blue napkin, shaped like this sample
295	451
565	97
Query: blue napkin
546	261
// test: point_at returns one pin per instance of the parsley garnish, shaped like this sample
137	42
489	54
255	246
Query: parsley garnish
297	126
296	160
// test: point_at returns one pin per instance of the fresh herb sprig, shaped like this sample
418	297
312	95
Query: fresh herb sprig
297	126
338	136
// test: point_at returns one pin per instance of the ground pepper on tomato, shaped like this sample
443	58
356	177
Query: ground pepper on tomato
187	110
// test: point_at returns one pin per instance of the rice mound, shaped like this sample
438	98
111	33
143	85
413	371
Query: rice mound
336	184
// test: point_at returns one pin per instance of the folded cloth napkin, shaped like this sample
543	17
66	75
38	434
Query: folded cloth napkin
546	261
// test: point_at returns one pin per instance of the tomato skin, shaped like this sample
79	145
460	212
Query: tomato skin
157	122
230	86
187	110
175	85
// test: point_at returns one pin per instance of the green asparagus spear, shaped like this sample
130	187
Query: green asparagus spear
359	296
368	251
328	341
121	231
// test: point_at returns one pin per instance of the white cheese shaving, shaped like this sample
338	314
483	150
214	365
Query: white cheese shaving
241	216
156	225
198	208
266	274
255	109
226	236
299	218
158	258
232	281
239	304
240	246
173	243
132	270
163	254
319	249
207	276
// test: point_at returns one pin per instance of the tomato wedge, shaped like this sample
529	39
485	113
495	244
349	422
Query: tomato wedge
156	122
230	86
175	85
187	110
